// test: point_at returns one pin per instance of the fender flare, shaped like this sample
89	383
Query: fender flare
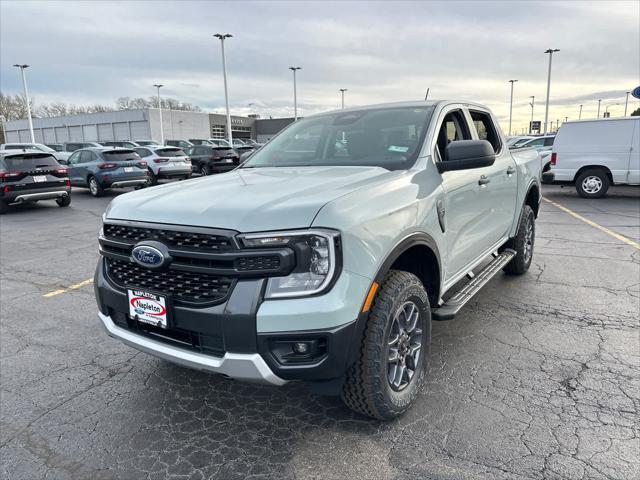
412	240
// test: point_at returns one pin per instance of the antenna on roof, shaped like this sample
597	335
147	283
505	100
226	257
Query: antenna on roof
427	95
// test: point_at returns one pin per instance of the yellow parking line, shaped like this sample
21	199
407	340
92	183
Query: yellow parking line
75	286
615	235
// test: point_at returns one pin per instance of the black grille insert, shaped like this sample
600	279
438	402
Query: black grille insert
171	238
185	287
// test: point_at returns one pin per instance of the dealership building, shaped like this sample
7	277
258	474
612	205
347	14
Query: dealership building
141	124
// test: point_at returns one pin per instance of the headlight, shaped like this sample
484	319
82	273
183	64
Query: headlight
317	259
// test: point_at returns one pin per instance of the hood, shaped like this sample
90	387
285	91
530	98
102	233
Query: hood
246	200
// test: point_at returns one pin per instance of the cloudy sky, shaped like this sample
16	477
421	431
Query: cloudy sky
93	52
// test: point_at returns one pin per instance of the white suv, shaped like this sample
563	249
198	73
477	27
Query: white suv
165	162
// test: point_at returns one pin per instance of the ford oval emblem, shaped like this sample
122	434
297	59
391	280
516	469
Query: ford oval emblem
147	256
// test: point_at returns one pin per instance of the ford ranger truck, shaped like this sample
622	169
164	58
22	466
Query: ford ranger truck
324	257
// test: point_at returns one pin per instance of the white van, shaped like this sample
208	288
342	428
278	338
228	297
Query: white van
594	154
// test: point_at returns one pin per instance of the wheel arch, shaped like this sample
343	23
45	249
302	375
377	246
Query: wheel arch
418	254
584	168
533	198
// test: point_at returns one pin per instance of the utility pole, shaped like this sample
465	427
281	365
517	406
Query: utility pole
511	104
427	95
160	110
626	104
342	90
222	37
295	93
532	103
550	51
26	97
599	101
580	114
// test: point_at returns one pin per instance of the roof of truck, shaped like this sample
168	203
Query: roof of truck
409	104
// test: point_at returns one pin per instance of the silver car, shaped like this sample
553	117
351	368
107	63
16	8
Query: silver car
165	162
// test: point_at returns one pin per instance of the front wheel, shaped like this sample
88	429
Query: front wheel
152	178
592	183
523	243
386	379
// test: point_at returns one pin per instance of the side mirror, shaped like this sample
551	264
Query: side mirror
467	154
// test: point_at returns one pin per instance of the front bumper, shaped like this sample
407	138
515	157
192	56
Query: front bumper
242	366
235	339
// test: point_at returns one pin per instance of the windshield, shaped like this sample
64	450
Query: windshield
388	137
170	152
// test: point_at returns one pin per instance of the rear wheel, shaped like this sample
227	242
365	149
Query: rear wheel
64	201
153	179
95	188
592	183
523	243
385	381
204	170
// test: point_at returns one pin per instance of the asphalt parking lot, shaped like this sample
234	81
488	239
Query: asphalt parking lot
538	377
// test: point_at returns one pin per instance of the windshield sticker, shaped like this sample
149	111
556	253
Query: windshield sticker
395	148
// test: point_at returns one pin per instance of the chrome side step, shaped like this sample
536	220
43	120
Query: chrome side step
452	306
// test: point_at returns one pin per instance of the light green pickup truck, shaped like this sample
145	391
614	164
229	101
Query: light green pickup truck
324	257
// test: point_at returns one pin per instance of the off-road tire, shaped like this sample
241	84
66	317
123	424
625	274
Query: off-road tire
600	187
97	190
522	261
64	201
366	388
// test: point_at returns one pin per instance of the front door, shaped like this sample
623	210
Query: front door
74	169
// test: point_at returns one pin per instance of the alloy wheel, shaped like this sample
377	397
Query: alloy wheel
405	346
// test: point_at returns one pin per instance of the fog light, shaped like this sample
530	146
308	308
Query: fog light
301	348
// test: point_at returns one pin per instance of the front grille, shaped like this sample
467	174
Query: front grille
171	238
185	287
267	262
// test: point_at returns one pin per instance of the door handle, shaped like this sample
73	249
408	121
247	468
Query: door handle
511	170
484	180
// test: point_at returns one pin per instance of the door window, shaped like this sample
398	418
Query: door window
454	127
143	152
486	129
86	156
74	158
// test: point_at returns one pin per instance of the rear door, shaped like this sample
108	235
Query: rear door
499	194
634	156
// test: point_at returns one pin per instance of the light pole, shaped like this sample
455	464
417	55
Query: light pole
606	109
295	93
580	114
532	103
26	97
599	102
158	86
342	90
511	104
222	37
550	51
626	104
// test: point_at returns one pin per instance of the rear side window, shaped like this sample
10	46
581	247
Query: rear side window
120	156
170	152
86	156
29	162
548	142
486	129
143	152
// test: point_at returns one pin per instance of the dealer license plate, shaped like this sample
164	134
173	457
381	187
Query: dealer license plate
148	307
128	169
39	178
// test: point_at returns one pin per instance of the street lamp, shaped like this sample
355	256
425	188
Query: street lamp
511	104
26	97
295	93
222	37
606	109
626	104
342	90
532	103
160	110
599	102
550	51
580	114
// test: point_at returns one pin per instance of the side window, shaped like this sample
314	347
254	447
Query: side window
538	142
486	129
548	142
86	156
143	152
74	158
454	127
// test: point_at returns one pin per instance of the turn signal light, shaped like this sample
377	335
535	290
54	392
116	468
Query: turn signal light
102	166
553	158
